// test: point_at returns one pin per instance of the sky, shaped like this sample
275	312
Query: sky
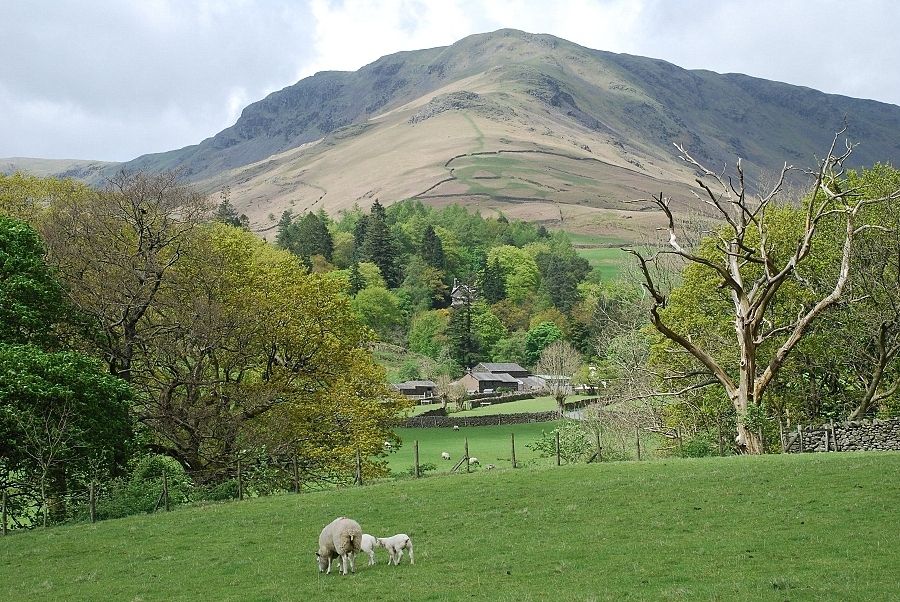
115	79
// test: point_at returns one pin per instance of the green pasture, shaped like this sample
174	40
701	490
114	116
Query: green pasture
490	444
538	404
773	528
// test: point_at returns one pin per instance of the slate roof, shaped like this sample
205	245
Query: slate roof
502	367
493	376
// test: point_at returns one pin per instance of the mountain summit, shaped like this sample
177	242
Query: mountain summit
533	125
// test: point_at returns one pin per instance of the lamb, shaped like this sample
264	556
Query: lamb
395	546
341	538
369	543
455	427
473	461
489	467
445	455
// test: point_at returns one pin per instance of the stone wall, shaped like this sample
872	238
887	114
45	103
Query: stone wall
436	421
862	435
437	418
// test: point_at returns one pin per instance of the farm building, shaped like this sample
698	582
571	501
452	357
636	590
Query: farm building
486	382
512	369
416	389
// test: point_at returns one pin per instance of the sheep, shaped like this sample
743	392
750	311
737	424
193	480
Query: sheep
395	546
445	455
455	427
388	445
342	538
369	543
489	467
473	461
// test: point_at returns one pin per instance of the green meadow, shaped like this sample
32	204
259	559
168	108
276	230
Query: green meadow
780	527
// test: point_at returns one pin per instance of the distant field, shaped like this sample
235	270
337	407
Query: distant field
603	253
773	528
490	444
538	404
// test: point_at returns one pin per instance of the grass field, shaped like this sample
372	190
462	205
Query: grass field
490	444
538	404
796	527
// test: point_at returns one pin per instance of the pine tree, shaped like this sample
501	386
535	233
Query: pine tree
379	246
432	250
462	340
357	282
493	287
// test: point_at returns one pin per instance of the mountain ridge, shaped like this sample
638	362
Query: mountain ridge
507	121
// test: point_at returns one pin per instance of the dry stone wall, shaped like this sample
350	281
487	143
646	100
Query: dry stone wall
856	435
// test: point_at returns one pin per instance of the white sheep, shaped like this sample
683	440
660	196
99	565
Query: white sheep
489	467
341	538
455	427
388	445
473	461
369	543
445	455
395	546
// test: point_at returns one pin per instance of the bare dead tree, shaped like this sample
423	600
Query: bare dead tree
559	362
743	242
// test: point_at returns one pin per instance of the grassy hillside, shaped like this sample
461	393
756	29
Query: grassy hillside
812	527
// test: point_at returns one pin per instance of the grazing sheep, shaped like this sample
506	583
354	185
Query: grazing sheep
395	546
489	467
455	427
445	455
473	461
387	445
341	538
369	543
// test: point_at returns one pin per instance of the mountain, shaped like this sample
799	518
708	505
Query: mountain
532	125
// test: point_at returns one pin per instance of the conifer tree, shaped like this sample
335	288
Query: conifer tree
432	250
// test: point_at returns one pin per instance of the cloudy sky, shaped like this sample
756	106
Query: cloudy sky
114	79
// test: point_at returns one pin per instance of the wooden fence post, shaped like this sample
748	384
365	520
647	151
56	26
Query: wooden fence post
800	437
466	456
359	477
637	434
557	449
599	446
512	441
680	444
165	491
296	476
721	442
92	501
833	438
4	511
417	458
240	479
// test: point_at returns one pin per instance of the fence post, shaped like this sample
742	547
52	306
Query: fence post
762	439
4	511
165	491
800	437
359	478
721	443
599	446
467	454
637	436
240	478
680	444
512	440
833	438
417	458
92	500
557	448
296	476
781	434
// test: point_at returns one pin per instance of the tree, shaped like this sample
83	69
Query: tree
357	283
432	251
747	265
493	288
61	417
488	328
559	361
522	274
114	250
560	275
227	214
427	332
379	309
539	338
462	338
305	237
379	246
31	299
